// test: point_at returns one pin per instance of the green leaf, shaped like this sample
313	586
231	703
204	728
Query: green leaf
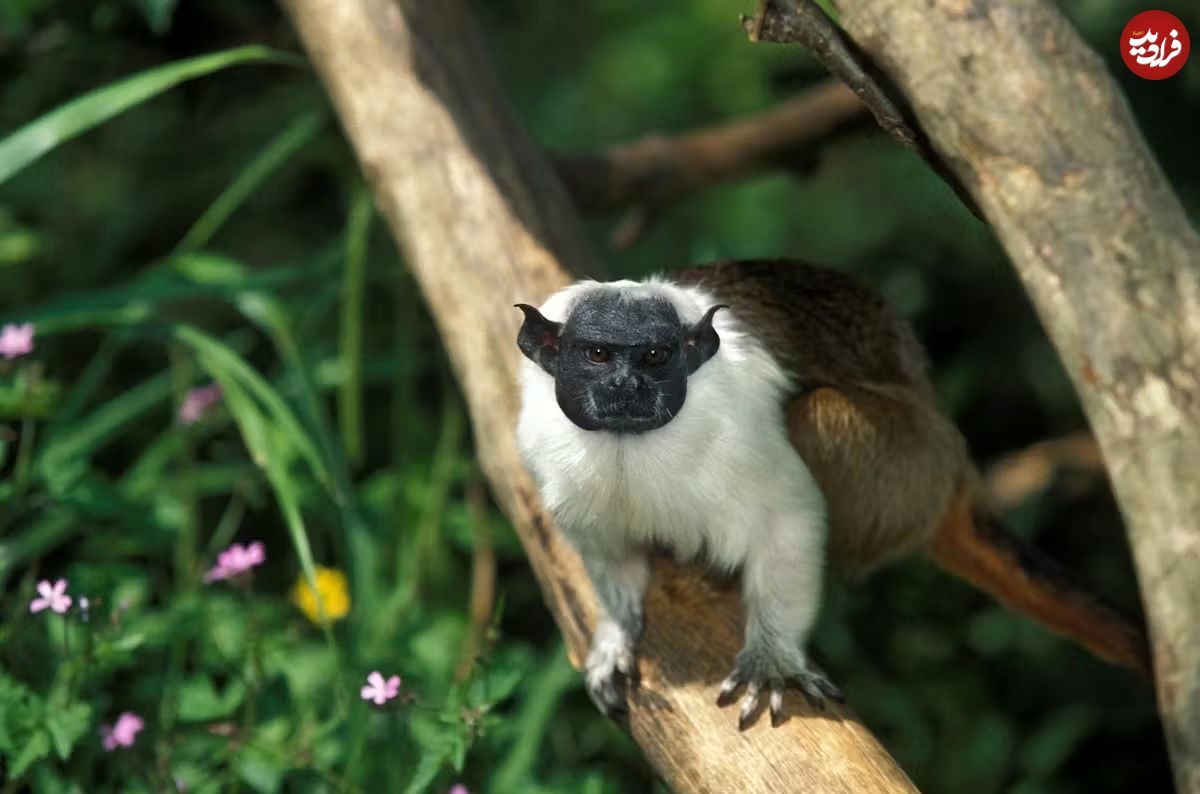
1053	741
96	107
199	700
499	679
308	669
67	726
435	757
158	13
36	748
258	768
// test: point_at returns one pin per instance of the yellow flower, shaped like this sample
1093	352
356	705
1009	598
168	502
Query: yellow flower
331	586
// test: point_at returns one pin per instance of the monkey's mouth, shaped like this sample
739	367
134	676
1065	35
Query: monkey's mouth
627	423
617	412
629	415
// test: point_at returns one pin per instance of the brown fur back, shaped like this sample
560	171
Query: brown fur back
896	473
863	418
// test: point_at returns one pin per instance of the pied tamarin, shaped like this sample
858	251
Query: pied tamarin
760	416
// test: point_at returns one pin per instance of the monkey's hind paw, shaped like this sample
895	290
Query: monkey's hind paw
608	673
758	673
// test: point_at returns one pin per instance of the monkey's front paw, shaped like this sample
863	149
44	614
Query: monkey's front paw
759	670
610	668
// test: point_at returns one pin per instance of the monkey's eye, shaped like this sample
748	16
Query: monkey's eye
656	356
597	355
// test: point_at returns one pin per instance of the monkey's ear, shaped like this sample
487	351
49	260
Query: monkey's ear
702	340
538	339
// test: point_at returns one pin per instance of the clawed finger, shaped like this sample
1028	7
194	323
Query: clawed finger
749	705
729	688
776	704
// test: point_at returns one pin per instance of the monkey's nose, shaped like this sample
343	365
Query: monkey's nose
625	381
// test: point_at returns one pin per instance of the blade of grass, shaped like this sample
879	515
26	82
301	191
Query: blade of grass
219	356
268	313
85	385
429	560
538	710
268	440
186	570
136	301
293	138
90	110
358	227
50	529
85	436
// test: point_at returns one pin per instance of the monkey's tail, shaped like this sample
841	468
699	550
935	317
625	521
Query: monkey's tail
973	544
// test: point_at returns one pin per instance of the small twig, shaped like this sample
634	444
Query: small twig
1022	474
483	577
804	22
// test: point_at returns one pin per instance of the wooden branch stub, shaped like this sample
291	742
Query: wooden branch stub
804	22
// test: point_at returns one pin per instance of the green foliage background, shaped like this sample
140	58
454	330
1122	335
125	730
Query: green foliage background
220	231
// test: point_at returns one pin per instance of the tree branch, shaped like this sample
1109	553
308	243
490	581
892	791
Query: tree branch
484	224
646	175
1016	477
803	22
1032	123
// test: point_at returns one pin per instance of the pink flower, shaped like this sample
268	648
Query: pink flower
16	340
459	788
379	690
197	402
53	596
123	732
235	560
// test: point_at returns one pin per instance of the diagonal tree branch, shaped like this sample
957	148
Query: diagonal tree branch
1035	127
646	175
484	224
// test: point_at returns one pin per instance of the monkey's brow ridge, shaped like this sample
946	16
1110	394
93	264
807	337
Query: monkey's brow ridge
607	320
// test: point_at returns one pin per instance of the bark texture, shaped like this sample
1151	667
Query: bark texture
1030	120
484	224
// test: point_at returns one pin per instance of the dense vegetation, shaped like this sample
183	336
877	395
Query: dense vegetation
209	226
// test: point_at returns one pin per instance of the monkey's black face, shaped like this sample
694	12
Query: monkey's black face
620	364
619	367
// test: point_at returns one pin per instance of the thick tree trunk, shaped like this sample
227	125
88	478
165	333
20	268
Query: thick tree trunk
1032	123
484	224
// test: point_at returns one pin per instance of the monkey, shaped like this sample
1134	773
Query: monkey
762	416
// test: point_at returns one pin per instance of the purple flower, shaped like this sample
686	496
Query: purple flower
379	690
197	402
53	596
123	732
16	340
235	560
459	788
